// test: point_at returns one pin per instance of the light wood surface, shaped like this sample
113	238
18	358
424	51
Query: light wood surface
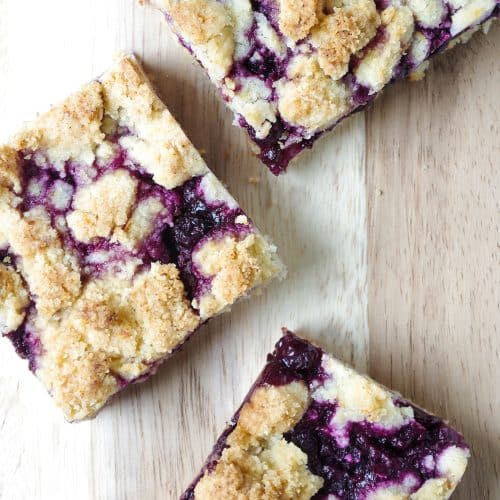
399	283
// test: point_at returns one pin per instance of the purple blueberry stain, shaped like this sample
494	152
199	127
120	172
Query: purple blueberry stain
26	342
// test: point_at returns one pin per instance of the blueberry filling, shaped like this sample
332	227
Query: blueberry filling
292	359
196	219
189	218
373	456
26	342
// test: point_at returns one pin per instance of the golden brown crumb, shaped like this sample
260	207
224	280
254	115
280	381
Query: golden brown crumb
297	17
208	26
258	463
116	327
311	98
69	131
13	299
235	267
9	168
159	301
158	143
343	33
52	275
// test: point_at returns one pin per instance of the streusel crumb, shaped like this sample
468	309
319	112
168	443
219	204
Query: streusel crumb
297	17
343	33
258	463
158	142
13	299
236	266
52	274
207	26
103	206
159	301
10	168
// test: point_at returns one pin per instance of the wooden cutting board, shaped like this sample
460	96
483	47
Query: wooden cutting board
389	228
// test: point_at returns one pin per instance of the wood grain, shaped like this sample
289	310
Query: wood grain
153	438
433	162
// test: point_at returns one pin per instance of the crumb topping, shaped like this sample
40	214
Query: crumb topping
13	299
163	312
377	66
140	223
359	397
252	100
439	488
103	206
9	168
208	28
428	12
297	17
235	266
158	144
69	131
310	98
52	274
472	12
258	463
117	327
343	33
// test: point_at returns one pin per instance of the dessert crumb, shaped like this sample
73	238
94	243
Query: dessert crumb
254	180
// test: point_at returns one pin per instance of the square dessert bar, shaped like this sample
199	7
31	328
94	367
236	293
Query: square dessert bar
116	241
292	69
311	427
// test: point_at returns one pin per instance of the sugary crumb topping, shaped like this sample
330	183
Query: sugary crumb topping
359	397
52	274
70	131
9	168
439	488
377	66
140	223
103	206
158	144
13	299
207	26
162	310
310	98
343	33
297	17
116	327
258	463
428	12
235	266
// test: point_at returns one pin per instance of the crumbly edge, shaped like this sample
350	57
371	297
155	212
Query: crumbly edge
117	327
236	267
74	129
258	462
313	97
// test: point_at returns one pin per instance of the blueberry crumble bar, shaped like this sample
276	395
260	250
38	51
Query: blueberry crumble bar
292	69
116	241
312	427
